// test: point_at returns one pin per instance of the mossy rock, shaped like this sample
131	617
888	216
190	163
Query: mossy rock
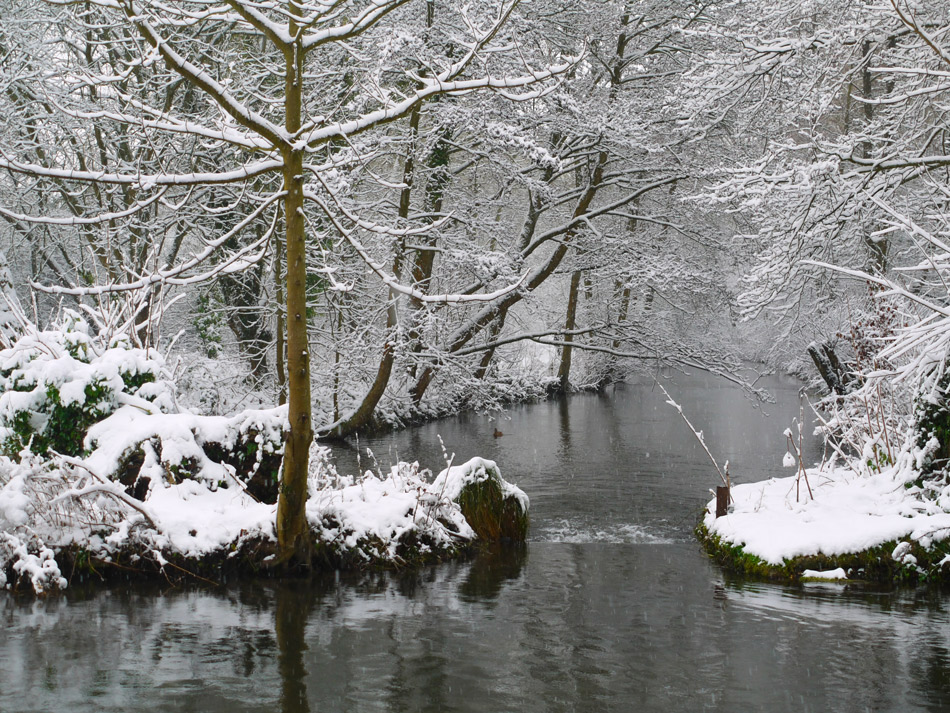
493	515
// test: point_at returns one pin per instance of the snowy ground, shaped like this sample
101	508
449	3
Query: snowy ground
777	520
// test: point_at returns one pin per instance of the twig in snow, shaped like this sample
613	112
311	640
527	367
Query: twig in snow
103	486
798	455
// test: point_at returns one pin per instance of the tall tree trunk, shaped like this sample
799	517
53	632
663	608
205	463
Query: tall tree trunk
281	325
293	532
564	370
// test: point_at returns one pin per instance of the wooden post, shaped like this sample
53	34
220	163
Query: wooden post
722	500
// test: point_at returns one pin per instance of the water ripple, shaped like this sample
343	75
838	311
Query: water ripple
571	532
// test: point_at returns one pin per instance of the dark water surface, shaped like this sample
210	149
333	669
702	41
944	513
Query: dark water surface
611	607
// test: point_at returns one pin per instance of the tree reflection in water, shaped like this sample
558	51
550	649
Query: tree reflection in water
293	604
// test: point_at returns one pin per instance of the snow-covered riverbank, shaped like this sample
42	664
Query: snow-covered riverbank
51	527
880	525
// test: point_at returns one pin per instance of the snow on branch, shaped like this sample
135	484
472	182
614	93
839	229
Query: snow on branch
911	22
101	486
202	79
388	278
433	87
89	220
890	287
236	262
698	434
140	181
167	123
376	11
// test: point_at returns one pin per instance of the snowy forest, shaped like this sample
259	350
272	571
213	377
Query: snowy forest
235	229
574	266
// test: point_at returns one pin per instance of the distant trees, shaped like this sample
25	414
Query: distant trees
558	219
840	112
575	194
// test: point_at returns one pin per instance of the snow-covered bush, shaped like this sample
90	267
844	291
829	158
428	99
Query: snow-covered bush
63	391
55	384
932	429
896	416
40	513
143	450
401	516
109	469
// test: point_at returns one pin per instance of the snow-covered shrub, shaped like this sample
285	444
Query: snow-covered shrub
375	517
64	391
39	512
30	560
401	516
55	384
931	430
866	422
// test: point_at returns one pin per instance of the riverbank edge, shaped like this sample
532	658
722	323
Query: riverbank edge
386	422
473	508
247	559
875	564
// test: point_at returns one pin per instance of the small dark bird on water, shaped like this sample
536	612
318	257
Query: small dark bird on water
498	434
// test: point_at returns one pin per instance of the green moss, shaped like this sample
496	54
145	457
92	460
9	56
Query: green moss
874	564
185	469
136	380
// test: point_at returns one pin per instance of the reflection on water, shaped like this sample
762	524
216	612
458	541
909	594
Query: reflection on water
292	608
555	627
610	607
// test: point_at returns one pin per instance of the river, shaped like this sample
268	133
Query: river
612	606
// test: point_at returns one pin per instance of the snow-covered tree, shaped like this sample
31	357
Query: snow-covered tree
198	134
832	112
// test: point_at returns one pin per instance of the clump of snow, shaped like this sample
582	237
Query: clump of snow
901	551
31	560
830	574
382	511
180	439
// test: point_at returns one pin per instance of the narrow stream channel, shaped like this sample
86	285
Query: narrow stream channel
611	607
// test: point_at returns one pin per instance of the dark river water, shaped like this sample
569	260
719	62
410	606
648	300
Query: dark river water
612	606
